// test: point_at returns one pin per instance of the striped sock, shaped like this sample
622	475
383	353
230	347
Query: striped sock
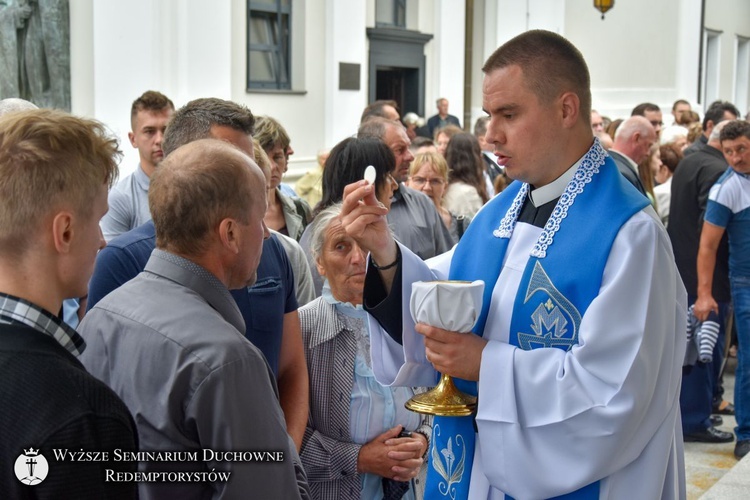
709	333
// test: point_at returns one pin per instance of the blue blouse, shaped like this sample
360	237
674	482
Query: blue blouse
373	408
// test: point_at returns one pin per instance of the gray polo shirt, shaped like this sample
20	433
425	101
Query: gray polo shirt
171	344
128	205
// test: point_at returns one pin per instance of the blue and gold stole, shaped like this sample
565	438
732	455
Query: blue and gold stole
551	299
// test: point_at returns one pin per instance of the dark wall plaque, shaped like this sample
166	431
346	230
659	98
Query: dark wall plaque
349	76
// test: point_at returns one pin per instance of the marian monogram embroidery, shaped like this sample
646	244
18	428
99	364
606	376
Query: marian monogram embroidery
555	320
444	463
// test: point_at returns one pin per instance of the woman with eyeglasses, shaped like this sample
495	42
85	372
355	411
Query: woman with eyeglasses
428	173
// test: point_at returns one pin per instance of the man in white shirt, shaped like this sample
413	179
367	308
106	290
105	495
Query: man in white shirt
128	200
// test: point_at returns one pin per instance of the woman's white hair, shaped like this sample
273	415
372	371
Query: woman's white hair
672	133
413	118
319	226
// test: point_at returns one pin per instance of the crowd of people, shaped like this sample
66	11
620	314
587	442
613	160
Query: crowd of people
202	306
682	174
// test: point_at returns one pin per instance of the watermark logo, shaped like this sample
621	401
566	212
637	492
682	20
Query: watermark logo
31	467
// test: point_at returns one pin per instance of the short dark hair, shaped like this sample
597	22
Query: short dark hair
480	126
151	100
641	109
347	163
716	110
671	155
194	120
376	109
550	65
420	141
679	101
734	130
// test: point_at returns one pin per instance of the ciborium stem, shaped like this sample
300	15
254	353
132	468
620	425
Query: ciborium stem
444	399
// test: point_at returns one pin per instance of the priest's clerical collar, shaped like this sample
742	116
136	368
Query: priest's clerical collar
553	190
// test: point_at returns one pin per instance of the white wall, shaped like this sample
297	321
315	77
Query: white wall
121	49
642	51
631	54
688	48
732	18
82	57
445	65
505	19
346	43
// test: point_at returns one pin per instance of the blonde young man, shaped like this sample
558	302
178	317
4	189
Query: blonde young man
54	173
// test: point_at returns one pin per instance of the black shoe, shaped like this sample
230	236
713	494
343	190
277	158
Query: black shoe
724	408
710	435
716	420
742	448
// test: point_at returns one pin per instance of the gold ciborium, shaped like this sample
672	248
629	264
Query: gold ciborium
451	305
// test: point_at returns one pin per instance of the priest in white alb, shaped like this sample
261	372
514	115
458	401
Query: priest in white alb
576	358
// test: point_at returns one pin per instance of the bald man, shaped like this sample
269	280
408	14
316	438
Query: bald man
633	141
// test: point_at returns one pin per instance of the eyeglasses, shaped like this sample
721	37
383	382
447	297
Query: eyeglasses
421	181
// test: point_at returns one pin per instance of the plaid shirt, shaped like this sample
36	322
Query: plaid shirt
14	310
